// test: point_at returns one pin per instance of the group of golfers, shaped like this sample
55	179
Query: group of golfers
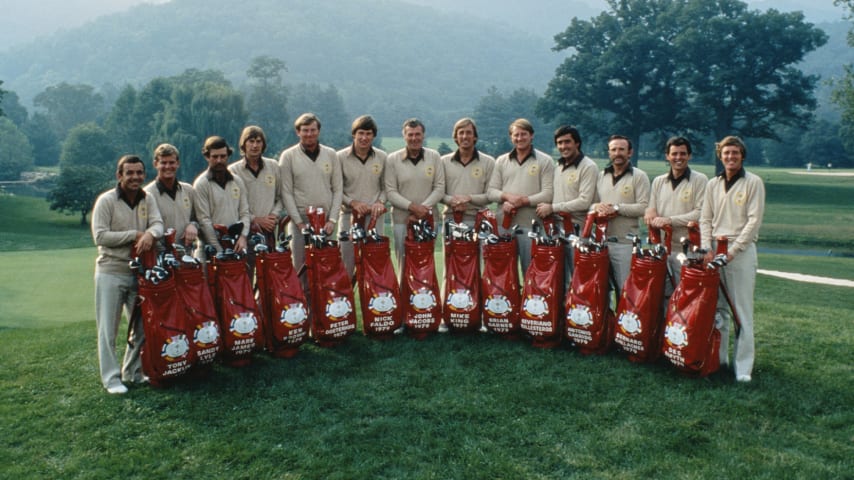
525	183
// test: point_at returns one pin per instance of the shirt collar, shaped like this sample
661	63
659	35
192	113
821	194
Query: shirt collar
416	159
676	181
131	202
474	156
735	178
616	178
227	177
370	154
515	156
245	165
566	163
313	154
162	188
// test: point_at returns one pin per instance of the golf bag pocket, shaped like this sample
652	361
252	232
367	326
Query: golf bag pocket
639	313
420	289
167	352
540	316
283	304
461	309
588	315
379	292
239	315
500	288
333	317
691	341
200	310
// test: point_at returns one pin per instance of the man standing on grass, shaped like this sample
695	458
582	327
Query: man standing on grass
733	208
174	198
260	175
220	196
622	195
362	167
523	178
467	174
124	220
676	198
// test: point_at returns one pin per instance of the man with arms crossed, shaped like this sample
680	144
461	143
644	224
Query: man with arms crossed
174	199
676	199
622	195
362	168
124	219
523	178
733	208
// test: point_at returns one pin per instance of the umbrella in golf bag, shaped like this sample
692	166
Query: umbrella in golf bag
461	309
379	292
588	313
640	315
280	295
500	280
540	316
239	315
419	285
691	341
331	290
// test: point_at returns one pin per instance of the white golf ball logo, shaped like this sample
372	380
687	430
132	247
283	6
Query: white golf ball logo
382	303
460	300
338	308
423	300
206	334
676	335
244	324
497	305
175	347
293	314
580	316
630	323
536	306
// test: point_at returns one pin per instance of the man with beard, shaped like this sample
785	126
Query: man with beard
125	220
220	196
467	174
260	175
174	198
622	195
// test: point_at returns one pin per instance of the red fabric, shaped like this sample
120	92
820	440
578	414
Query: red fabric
540	315
379	292
420	290
283	303
640	313
199	307
461	307
239	315
588	314
691	341
333	316
500	288
168	350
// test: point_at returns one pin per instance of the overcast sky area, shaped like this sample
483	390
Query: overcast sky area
22	21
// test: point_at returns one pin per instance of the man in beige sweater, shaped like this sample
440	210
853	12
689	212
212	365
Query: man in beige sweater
124	219
467	174
261	177
175	199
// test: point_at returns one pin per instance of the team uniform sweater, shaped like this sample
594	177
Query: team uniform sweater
407	182
114	227
575	188
534	177
471	179
307	182
735	213
263	188
363	180
630	192
218	205
175	212
683	203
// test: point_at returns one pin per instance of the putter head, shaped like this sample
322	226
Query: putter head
261	248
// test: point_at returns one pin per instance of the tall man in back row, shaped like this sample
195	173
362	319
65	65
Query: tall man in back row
124	220
733	208
622	195
522	179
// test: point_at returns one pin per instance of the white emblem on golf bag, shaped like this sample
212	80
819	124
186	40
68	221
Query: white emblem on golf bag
244	324
383	302
536	306
175	347
460	300
293	314
423	300
339	307
497	305
580	316
676	336
630	323
206	334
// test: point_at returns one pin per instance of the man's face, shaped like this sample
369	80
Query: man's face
253	148
363	139
567	146
131	177
167	167
466	137
619	152
414	137
521	138
678	157
218	159
308	135
732	159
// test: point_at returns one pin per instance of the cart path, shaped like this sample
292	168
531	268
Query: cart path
799	277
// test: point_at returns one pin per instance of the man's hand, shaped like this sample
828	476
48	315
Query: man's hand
329	227
377	209
240	244
660	222
508	208
144	241
420	211
267	223
361	208
544	210
191	233
650	215
605	210
516	200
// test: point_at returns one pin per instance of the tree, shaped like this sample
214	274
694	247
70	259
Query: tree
16	153
689	66
87	144
77	188
843	93
267	101
328	105
68	105
10	106
46	147
2	94
120	124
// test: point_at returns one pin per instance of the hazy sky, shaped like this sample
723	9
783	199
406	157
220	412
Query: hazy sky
24	20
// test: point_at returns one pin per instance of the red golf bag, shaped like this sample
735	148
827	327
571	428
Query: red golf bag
419	286
201	314
461	308
331	291
588	313
500	282
640	313
691	341
540	316
282	300
379	292
239	315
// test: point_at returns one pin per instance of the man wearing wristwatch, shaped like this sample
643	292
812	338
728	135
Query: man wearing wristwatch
622	196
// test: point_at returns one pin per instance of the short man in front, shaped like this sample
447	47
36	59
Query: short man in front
362	168
622	195
676	198
311	177
523	178
220	196
260	175
467	174
733	207
174	198
124	220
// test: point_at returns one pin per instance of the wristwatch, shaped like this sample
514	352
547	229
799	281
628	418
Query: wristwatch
617	208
